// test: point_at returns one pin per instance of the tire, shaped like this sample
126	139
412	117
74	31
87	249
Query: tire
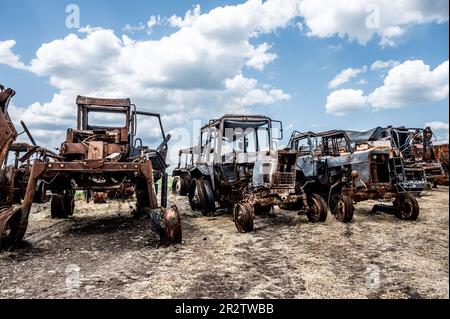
10	230
69	203
185	183
176	185
180	185
406	207
40	194
343	209
318	210
262	210
243	215
201	196
57	207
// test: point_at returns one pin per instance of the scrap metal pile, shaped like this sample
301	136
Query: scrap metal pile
237	166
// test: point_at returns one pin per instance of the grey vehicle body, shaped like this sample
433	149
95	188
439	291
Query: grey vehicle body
344	173
238	165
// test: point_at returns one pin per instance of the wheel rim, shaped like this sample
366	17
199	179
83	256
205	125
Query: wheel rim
406	208
243	217
9	227
340	209
314	210
176	185
172	223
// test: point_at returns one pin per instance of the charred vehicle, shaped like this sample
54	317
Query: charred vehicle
413	178
181	174
8	135
441	151
99	158
330	165
422	167
240	168
14	176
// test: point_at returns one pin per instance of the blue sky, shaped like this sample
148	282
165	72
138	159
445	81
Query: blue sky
302	49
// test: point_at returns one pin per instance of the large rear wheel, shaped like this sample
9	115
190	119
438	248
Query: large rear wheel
57	207
180	185
201	196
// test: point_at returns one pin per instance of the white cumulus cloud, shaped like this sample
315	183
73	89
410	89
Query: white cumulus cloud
381	65
412	82
341	102
345	76
200	66
409	83
362	20
8	57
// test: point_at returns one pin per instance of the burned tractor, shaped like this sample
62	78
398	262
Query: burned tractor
441	152
330	165
239	167
8	135
422	168
181	174
99	158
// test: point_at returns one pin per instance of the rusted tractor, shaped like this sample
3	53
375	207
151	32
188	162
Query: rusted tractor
441	151
100	157
329	165
239	168
423	168
181	174
8	135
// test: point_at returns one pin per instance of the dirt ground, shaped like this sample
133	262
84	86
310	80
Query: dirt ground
102	252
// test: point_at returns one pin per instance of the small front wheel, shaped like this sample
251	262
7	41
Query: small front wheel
406	207
318	209
343	209
243	214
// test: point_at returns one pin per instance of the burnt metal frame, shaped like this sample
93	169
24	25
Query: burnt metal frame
378	190
167	222
256	196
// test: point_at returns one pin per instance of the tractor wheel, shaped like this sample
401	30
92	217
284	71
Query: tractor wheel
9	227
318	209
243	214
69	203
40	195
262	210
406	207
185	183
180	185
57	207
176	185
201	196
343	208
142	198
171	234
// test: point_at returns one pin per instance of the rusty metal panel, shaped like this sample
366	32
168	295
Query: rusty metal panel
84	100
113	148
73	148
95	151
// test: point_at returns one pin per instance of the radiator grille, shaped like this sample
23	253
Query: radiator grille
284	179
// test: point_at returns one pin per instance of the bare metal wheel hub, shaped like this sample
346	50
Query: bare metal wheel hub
243	217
